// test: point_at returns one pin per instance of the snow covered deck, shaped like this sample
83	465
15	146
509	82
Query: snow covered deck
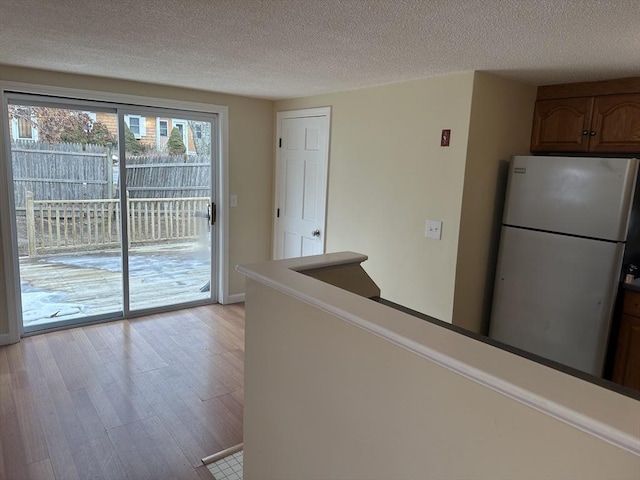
89	283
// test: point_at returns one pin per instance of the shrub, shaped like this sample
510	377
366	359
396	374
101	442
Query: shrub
131	144
175	145
80	128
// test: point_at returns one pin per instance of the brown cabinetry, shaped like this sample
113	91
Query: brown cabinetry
577	120
561	125
616	124
626	369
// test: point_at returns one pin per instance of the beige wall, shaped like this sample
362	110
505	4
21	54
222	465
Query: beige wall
501	118
250	156
325	399
388	174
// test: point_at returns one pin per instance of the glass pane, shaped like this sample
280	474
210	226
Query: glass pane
134	125
169	198
67	214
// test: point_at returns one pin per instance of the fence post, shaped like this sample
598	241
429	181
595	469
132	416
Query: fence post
31	225
109	164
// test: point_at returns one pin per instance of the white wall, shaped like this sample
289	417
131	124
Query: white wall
388	174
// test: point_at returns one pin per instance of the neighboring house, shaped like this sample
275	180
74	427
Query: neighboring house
164	126
23	129
152	131
24	125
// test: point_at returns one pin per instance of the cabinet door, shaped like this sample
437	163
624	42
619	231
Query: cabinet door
626	370
561	125
616	124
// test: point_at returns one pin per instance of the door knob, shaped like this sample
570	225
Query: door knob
316	233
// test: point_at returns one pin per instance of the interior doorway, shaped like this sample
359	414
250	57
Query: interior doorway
302	163
111	219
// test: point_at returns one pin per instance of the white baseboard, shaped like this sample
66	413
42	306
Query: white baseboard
5	339
237	298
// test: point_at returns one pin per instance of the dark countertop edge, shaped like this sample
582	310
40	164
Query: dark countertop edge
622	390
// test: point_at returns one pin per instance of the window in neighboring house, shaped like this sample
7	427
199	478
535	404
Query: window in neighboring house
198	130
164	127
136	124
24	128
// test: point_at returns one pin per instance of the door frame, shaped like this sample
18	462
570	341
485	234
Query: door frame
304	113
7	222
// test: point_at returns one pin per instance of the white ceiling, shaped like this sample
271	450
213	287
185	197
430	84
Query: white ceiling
291	48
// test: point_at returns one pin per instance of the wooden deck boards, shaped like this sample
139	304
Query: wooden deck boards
63	287
131	399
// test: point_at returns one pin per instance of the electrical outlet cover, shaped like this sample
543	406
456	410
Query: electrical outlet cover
433	229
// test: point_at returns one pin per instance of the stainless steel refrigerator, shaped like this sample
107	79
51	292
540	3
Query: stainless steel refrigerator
561	248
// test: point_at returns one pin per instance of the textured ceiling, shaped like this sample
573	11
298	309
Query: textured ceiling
283	48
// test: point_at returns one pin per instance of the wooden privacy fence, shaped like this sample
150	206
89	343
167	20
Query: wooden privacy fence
57	225
164	176
60	170
77	172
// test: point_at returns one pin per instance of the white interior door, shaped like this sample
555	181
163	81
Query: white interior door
301	183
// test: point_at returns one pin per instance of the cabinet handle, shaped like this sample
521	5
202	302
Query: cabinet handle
585	132
592	133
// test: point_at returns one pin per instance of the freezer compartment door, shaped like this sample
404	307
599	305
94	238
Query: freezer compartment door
554	296
589	197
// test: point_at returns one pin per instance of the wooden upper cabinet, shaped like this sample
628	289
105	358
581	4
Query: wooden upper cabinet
561	125
616	124
595	117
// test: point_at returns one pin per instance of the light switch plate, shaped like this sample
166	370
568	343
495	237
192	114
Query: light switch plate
433	229
234	201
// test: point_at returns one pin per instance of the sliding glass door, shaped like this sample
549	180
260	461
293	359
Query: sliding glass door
113	209
67	211
169	201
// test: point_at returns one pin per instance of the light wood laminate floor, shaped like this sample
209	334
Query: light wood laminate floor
136	399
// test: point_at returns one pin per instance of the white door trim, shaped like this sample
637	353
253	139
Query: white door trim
8	234
308	112
7	226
